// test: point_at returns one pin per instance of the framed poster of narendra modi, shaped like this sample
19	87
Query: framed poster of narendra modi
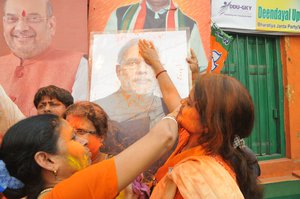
124	85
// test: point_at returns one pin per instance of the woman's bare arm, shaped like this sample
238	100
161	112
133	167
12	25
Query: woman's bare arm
170	94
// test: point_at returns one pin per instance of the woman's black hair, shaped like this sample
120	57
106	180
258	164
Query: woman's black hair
53	92
19	146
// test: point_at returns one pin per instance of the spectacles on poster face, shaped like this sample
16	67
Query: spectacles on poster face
30	19
131	63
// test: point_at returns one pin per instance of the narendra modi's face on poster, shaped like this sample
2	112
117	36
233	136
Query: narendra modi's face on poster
134	74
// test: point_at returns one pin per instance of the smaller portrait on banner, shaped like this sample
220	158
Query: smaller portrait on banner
126	87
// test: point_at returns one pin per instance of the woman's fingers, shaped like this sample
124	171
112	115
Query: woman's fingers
193	55
151	44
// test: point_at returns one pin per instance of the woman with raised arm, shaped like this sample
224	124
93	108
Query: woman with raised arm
210	160
39	158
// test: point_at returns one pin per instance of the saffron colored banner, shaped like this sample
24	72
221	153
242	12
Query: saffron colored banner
134	15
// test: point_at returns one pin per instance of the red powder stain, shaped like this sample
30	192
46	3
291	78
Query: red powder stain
23	13
75	121
94	143
189	118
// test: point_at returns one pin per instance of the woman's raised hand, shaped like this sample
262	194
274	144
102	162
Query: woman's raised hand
150	55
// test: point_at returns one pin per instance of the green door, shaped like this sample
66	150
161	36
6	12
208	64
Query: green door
255	61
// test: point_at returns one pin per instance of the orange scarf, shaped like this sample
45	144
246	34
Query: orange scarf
176	156
178	183
197	177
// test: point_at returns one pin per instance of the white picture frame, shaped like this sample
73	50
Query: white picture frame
104	48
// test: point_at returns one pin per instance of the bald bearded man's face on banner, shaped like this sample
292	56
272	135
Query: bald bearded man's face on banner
28	26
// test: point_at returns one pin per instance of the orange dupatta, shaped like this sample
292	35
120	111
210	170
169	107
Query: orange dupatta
184	173
175	157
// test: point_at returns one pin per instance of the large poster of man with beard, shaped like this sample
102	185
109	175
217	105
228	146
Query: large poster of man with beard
126	87
38	49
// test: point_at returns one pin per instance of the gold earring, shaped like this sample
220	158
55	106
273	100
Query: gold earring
55	173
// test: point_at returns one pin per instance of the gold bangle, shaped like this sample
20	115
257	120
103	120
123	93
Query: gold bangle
160	73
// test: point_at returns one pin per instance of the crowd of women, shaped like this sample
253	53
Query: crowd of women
46	156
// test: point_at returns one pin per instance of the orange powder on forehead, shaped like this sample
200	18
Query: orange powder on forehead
23	13
75	121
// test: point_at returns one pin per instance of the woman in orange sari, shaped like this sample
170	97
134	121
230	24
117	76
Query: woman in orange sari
40	158
210	160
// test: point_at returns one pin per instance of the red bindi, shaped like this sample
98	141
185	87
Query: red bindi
23	13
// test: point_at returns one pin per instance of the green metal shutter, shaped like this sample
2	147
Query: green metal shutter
255	61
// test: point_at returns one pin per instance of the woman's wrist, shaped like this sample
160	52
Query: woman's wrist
157	67
159	73
170	118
